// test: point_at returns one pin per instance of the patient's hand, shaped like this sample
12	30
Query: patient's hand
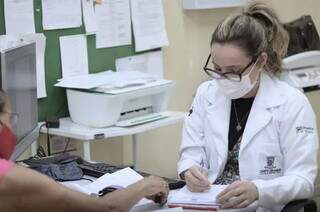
155	188
196	179
239	194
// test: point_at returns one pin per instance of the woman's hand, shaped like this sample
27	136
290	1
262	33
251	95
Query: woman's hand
239	194
196	179
155	188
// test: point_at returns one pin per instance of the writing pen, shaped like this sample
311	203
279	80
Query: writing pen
202	166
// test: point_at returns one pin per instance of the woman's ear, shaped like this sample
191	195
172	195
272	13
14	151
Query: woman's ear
262	59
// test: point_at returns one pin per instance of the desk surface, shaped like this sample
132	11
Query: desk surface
153	206
72	130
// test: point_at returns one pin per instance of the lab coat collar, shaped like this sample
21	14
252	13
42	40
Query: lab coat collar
268	96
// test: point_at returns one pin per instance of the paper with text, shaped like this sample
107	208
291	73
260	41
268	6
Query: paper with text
148	24
150	63
89	17
19	17
60	14
184	196
40	41
74	55
114	23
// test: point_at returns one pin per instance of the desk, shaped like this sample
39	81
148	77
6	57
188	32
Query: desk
153	206
72	130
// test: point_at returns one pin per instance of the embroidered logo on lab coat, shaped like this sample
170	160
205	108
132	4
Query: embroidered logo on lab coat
303	129
270	167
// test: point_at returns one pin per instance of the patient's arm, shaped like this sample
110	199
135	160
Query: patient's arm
22	189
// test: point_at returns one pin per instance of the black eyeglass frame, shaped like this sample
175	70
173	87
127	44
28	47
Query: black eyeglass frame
224	75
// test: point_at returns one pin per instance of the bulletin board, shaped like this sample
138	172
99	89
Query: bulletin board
55	104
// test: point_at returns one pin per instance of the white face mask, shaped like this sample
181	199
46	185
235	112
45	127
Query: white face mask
236	90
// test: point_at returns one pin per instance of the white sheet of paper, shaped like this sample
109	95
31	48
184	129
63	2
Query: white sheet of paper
89	17
148	24
150	63
184	196
123	178
149	84
114	23
74	55
19	18
40	40
109	79
60	14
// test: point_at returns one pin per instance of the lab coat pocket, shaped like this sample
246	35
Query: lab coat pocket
270	161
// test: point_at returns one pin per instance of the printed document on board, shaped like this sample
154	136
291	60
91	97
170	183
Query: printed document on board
114	23
89	17
148	24
74	55
19	17
150	63
60	14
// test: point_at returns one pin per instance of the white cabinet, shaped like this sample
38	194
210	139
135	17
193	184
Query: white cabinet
210	4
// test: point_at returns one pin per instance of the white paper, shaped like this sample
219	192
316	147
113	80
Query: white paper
123	178
114	23
60	14
74	55
148	24
184	196
150	63
107	79
89	17
147	84
40	41
19	18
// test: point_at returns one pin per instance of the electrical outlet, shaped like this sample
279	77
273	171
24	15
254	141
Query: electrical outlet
61	144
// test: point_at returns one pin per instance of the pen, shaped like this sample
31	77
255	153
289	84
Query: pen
202	165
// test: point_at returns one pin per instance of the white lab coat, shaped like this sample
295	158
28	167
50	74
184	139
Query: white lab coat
278	151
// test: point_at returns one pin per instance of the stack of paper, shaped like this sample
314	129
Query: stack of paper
122	178
184	197
112	82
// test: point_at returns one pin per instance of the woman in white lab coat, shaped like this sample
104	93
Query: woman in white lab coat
247	129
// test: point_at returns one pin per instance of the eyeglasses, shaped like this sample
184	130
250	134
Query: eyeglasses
227	75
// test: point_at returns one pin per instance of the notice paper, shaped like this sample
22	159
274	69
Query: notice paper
114	23
60	14
19	17
89	17
40	41
150	63
148	24
74	55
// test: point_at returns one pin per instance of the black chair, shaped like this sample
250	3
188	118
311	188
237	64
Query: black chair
308	205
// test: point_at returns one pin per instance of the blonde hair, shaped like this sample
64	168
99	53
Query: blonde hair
256	29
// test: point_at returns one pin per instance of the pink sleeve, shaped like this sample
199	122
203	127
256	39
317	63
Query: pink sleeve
4	167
